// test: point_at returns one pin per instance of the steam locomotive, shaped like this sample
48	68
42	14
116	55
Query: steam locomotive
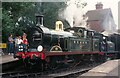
49	47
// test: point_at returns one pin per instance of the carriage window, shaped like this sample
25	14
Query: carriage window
80	42
77	42
74	41
83	42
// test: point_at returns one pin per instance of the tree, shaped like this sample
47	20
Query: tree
18	16
11	12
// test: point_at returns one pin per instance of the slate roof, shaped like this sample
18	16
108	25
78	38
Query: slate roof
98	14
97	17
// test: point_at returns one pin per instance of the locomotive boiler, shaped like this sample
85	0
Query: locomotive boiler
50	47
45	38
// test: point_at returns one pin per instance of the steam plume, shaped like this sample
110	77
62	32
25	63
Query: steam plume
73	13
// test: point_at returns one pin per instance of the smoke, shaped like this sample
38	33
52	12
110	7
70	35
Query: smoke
109	26
73	13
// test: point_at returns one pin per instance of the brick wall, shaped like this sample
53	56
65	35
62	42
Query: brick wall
95	25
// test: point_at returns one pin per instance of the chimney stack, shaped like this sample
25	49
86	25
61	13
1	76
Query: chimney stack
39	20
99	5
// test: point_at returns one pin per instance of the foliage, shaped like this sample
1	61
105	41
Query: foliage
11	12
18	16
51	13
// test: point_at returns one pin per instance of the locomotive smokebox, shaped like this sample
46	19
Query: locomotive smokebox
39	20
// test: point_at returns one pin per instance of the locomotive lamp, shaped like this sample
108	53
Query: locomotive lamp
40	48
20	48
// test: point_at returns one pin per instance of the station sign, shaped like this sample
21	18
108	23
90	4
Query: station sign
3	45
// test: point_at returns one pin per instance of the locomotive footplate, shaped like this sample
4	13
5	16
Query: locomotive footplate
69	53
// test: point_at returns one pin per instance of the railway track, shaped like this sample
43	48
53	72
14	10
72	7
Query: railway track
70	72
45	74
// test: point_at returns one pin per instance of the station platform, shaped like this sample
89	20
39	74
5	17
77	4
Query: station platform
109	69
6	59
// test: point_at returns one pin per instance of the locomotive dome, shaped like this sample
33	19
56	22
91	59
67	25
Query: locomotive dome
59	30
45	30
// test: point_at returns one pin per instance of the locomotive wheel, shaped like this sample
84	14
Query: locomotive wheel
27	65
53	65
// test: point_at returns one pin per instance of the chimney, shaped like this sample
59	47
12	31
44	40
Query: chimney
99	5
39	20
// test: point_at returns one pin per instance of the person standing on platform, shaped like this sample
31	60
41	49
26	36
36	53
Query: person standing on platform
11	45
16	44
25	41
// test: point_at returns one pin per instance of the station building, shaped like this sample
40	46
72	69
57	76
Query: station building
100	19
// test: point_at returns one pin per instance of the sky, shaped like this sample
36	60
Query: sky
113	4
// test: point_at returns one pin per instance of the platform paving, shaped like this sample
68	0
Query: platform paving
6	58
109	69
